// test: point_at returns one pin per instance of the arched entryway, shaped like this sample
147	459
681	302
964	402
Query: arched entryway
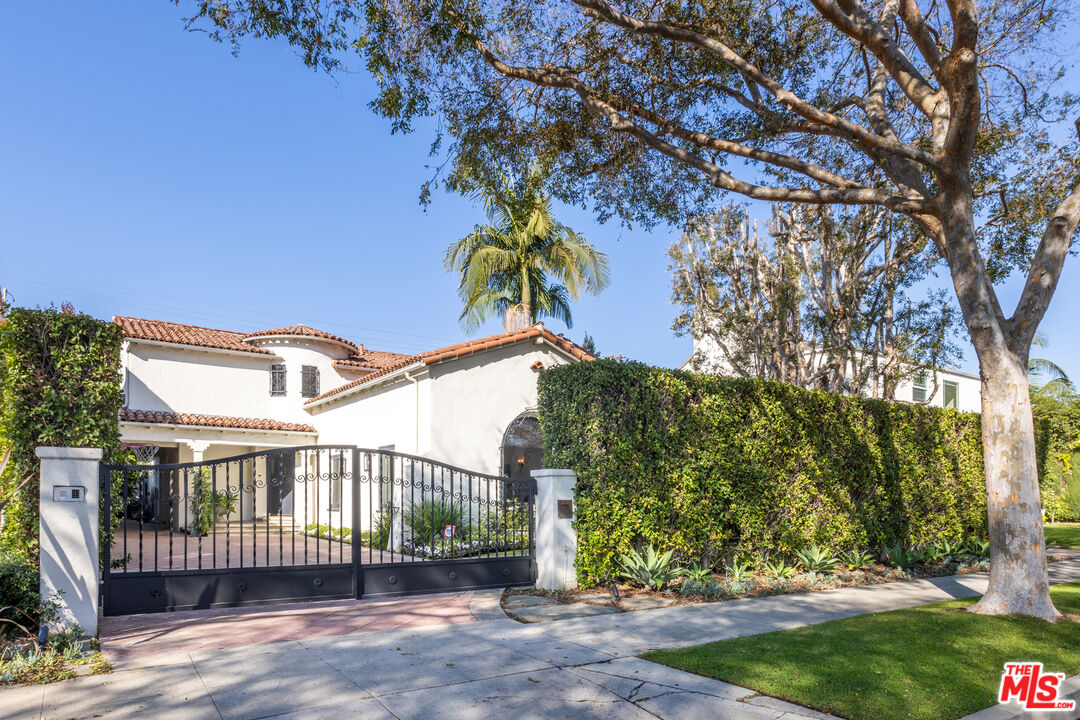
522	447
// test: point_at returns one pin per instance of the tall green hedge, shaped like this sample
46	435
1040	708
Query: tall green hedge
723	469
59	385
1057	442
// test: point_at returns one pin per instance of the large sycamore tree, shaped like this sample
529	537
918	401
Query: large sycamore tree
950	113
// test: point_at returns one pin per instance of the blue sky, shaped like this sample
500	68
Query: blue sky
146	171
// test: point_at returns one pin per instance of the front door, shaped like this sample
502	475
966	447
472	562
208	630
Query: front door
280	482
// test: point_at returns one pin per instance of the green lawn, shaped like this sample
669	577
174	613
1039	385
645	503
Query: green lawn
936	661
1063	535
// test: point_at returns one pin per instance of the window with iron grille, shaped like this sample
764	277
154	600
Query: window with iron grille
277	380
309	378
918	392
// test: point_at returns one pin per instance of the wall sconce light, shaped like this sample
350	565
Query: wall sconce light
521	461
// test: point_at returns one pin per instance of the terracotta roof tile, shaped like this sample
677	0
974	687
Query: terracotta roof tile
470	347
180	334
463	349
371	360
303	331
217	421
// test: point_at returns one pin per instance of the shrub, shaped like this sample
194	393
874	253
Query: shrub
20	599
342	534
1057	447
653	570
59	385
207	504
724	467
427	519
816	560
379	536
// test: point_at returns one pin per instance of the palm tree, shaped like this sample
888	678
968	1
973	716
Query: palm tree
522	264
1059	386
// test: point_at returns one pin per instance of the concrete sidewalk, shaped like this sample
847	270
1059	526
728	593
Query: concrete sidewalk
581	668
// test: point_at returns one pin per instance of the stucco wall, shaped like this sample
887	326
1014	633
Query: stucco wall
385	414
475	399
184	379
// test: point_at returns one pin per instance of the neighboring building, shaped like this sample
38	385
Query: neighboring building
203	393
954	389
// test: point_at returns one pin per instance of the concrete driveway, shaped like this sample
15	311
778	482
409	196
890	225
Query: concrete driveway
490	667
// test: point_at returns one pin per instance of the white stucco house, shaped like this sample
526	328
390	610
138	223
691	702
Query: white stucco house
943	388
200	393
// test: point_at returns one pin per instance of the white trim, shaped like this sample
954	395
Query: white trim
186	346
256	339
50	452
219	428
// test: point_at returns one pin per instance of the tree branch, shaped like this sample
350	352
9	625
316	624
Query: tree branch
1044	273
843	127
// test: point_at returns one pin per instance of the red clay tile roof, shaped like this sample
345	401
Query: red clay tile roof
371	360
470	347
406	361
217	421
303	331
463	349
180	334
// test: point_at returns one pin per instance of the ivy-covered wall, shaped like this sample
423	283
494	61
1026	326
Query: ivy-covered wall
1057	442
59	385
723	469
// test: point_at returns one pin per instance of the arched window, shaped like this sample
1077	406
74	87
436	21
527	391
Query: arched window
522	447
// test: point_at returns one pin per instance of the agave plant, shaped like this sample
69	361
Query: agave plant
816	559
923	554
778	570
899	557
946	552
737	572
695	572
856	559
653	570
979	548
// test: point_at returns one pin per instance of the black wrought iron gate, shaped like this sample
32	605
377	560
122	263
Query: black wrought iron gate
305	523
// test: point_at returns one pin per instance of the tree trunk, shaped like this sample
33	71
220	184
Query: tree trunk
1018	572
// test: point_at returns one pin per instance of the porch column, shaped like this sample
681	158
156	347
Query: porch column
556	539
197	447
68	528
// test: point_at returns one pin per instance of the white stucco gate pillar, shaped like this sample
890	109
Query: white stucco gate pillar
556	539
68	528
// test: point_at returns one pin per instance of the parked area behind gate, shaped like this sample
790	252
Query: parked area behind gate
303	523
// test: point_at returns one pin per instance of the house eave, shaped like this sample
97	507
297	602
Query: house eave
214	428
203	348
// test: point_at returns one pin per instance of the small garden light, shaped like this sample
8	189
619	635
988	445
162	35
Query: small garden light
614	591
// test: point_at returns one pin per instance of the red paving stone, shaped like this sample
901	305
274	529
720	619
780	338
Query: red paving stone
141	637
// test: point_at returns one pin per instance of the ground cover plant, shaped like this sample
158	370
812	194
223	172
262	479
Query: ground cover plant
23	660
936	661
1063	535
